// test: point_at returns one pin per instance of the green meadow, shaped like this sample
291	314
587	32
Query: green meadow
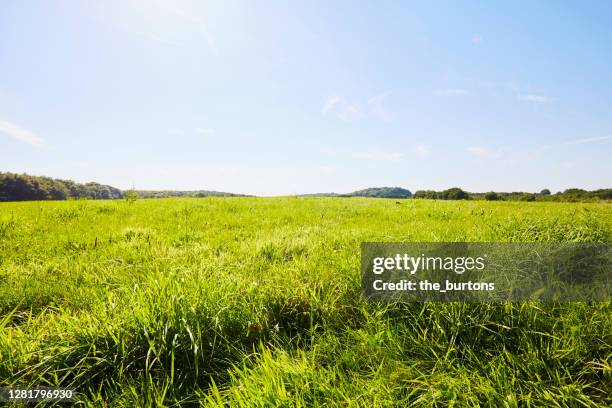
257	302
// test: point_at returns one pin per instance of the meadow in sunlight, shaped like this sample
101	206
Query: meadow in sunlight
256	302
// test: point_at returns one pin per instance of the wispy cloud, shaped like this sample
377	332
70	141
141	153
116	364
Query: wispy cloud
587	140
205	131
190	27
574	142
535	98
170	7
371	155
477	39
350	111
520	91
330	102
19	133
484	152
536	152
347	112
378	156
478	151
377	108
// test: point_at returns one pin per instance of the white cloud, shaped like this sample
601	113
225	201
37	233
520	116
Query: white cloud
477	39
478	151
378	156
20	133
573	142
373	155
377	108
330	102
166	8
483	152
587	140
421	150
535	98
350	113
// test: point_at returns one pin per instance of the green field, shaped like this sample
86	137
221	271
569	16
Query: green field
256	302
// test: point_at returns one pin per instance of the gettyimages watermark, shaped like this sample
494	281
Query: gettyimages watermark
486	271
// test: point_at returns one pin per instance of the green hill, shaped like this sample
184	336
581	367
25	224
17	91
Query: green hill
382	192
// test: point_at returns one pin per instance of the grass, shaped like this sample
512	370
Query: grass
256	302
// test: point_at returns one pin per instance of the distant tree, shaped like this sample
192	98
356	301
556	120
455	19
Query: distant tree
454	193
545	192
575	191
604	194
430	194
131	195
491	196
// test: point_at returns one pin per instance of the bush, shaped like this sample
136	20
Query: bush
131	195
454	193
491	196
425	194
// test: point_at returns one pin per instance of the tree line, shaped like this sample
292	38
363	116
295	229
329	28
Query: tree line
175	193
571	195
23	187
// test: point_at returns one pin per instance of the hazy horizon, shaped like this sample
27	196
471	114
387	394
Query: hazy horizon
271	98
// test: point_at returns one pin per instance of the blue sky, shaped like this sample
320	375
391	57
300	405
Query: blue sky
299	97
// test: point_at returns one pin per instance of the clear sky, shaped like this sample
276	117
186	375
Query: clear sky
301	97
